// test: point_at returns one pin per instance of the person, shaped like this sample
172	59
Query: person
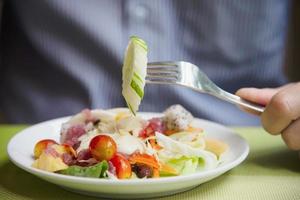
60	56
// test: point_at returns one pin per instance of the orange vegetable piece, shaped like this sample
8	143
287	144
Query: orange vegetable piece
170	132
144	159
155	173
154	144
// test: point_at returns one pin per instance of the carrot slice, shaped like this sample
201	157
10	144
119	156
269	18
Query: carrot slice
155	173
170	132
154	144
143	159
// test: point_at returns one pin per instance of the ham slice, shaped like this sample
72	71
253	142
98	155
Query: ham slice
85	158
83	122
71	134
68	159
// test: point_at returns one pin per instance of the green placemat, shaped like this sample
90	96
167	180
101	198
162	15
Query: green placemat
271	171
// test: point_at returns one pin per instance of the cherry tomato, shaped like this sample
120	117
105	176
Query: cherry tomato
41	146
122	165
103	147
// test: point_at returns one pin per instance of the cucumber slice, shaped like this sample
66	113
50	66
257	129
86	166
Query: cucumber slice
134	72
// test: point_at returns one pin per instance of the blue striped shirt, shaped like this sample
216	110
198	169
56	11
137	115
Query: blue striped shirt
60	56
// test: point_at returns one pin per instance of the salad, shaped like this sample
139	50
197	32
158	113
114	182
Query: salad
114	144
118	144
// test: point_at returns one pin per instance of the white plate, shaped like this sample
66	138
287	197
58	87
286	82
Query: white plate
20	151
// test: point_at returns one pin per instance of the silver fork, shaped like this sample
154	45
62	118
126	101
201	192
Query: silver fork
189	75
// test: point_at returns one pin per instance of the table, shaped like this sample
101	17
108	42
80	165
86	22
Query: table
271	171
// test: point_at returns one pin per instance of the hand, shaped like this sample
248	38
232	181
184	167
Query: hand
282	113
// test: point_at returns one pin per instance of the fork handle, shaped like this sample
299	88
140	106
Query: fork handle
239	101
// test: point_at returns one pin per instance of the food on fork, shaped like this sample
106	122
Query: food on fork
134	72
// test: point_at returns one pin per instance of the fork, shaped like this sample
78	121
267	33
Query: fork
189	75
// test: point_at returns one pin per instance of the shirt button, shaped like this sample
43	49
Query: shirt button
139	12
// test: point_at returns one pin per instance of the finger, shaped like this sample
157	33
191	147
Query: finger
283	108
260	96
291	135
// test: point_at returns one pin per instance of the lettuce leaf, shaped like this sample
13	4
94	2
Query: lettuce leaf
95	171
184	165
184	157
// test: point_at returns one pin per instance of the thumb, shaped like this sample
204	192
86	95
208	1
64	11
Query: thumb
255	95
259	96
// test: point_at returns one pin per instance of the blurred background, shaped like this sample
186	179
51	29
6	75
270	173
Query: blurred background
59	57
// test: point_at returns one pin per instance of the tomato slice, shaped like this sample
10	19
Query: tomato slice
122	165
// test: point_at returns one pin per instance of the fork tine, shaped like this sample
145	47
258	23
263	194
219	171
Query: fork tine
162	72
162	66
162	69
162	76
166	63
160	80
